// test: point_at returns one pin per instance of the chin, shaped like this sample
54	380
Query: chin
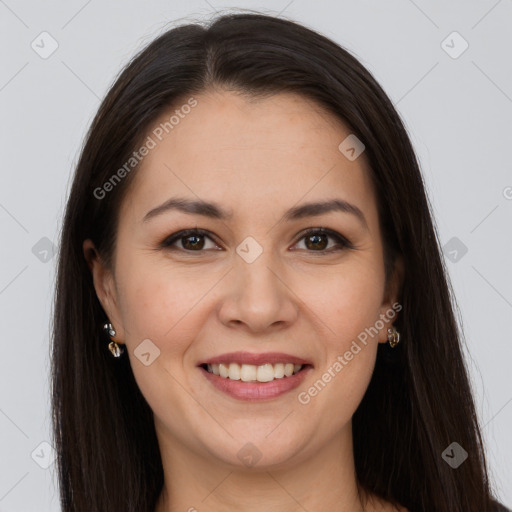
258	452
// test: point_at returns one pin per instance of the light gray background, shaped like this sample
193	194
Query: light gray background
458	112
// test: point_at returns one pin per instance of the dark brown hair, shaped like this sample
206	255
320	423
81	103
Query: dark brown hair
419	399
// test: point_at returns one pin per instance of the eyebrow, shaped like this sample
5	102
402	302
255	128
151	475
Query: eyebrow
215	211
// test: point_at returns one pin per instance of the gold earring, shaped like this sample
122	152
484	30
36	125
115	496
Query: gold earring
113	346
393	337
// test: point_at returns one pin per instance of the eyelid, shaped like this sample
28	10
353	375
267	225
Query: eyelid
342	241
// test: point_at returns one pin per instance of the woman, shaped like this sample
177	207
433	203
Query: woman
248	225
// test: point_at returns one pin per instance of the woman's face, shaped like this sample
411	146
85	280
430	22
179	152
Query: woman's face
257	283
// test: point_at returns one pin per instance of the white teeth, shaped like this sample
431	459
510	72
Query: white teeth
265	373
223	370
234	371
279	371
250	372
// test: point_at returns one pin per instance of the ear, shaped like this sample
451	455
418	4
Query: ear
390	305
104	284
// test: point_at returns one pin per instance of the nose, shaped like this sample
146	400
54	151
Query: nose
257	297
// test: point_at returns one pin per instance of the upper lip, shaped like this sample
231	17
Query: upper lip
255	359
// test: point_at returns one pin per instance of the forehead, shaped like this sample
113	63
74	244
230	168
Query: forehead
248	152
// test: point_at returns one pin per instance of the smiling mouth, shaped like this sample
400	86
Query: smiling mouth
253	373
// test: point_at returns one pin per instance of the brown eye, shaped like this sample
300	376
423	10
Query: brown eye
317	240
191	240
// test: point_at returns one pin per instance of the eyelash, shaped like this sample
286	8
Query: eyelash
343	242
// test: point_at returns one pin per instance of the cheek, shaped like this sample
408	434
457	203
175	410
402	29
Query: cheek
168	305
349	304
153	302
347	363
341	396
349	343
157	305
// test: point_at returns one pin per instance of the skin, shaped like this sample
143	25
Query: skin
258	158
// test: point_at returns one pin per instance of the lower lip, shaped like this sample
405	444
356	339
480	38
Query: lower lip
256	391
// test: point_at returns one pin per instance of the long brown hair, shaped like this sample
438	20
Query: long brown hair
419	399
